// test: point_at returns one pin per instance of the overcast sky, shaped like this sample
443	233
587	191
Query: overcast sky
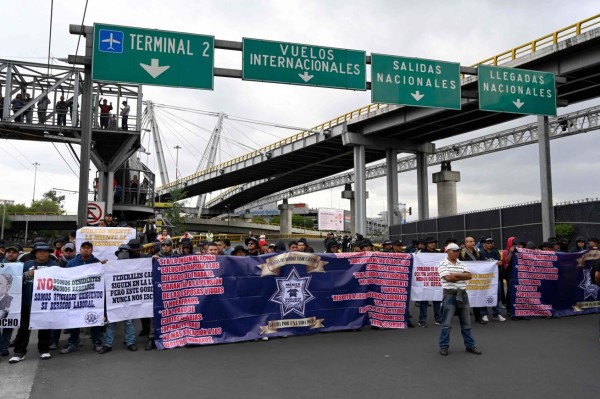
459	31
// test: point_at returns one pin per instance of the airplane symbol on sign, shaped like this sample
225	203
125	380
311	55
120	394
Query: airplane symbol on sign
110	41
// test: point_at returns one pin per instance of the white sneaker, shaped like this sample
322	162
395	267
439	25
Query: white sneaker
16	358
499	318
484	319
45	356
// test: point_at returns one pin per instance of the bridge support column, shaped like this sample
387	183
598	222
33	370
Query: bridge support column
360	190
105	191
446	181
545	177
349	194
285	217
422	193
391	159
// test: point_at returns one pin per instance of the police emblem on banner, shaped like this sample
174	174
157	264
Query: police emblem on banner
292	293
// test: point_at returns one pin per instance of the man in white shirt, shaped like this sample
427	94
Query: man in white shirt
454	275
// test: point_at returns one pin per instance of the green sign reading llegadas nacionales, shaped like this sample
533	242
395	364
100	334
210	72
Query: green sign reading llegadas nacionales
414	81
302	64
518	91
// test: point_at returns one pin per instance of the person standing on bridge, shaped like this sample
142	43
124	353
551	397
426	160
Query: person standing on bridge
105	109
17	103
454	275
42	106
41	252
125	115
61	112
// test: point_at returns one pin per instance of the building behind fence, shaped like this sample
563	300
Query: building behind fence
523	221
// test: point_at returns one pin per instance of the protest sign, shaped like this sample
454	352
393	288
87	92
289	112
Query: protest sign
106	240
128	284
68	298
11	289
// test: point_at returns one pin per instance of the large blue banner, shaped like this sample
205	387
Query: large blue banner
546	283
207	299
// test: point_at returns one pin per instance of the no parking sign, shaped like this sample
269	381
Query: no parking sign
95	212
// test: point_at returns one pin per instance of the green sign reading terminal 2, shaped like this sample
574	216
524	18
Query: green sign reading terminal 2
518	91
154	57
302	64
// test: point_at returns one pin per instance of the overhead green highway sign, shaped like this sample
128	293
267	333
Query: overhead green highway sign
518	91
415	81
154	57
302	64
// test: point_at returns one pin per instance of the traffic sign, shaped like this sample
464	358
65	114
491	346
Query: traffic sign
302	64
518	91
95	212
415	81
153	57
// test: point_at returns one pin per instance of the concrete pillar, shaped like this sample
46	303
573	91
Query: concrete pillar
391	159
422	192
545	177
360	189
105	191
285	217
446	181
349	194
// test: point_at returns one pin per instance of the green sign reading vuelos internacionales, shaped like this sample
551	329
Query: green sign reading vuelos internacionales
302	64
414	81
517	91
154	57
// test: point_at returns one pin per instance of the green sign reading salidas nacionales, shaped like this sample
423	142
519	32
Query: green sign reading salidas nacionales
517	91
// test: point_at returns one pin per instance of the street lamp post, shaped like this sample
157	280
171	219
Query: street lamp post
177	148
35	164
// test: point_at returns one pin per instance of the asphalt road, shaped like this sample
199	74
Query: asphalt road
541	358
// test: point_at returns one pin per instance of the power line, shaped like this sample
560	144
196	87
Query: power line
63	158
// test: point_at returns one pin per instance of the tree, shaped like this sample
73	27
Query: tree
175	214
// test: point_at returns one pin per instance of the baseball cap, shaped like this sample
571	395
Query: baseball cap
88	243
452	247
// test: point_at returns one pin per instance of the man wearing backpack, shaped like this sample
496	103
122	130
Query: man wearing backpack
150	231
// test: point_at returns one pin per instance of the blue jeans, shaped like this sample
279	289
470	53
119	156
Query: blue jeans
109	336
450	309
5	338
437	314
495	309
96	333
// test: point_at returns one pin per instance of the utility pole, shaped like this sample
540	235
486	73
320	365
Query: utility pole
35	165
177	148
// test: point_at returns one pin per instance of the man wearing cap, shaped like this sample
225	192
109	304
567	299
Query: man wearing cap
366	245
68	254
239	250
252	245
41	253
386	246
429	244
109	220
85	257
398	246
263	246
454	275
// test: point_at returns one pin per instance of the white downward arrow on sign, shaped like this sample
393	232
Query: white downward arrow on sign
518	103
153	69
305	76
417	95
